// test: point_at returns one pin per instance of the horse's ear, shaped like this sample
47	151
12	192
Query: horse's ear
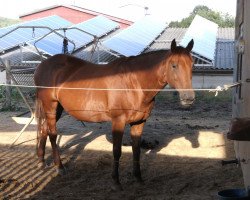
173	45
190	45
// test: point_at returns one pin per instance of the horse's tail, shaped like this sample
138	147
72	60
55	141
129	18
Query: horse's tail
41	120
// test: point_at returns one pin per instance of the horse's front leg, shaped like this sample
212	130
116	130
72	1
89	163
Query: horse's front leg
52	132
136	132
117	134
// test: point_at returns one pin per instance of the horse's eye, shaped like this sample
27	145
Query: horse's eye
174	66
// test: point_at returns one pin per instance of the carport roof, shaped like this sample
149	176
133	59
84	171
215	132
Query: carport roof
37	28
81	35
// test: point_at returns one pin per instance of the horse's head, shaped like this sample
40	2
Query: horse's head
179	72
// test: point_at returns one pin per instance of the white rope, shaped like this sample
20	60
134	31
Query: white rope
216	90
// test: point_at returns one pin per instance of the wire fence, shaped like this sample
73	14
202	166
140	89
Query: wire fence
207	94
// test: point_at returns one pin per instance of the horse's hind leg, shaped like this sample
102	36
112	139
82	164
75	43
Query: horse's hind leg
59	111
41	143
42	132
117	134
51	118
50	112
136	132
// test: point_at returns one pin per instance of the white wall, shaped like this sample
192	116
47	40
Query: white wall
211	81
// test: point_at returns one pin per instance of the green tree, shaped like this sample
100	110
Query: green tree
223	20
6	22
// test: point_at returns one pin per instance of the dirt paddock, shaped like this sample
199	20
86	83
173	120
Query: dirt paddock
181	156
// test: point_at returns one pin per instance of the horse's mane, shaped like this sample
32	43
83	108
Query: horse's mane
148	59
144	60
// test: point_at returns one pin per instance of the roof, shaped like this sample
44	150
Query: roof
165	39
226	34
117	19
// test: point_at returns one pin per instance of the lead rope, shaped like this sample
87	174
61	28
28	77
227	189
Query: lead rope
224	88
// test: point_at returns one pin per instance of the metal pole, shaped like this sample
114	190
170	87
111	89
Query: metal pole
7	104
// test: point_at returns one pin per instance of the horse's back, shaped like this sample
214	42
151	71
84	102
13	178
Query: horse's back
58	67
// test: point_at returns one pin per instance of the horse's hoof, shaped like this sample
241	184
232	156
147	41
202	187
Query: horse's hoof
138	178
140	181
116	187
41	165
61	171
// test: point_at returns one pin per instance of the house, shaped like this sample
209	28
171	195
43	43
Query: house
73	14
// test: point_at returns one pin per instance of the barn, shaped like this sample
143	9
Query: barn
180	160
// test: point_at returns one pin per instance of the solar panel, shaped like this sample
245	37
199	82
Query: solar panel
136	38
53	43
204	34
97	26
23	35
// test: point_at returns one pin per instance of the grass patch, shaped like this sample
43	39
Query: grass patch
16	99
170	96
205	96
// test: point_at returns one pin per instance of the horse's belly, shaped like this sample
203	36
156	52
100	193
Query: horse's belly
89	111
90	116
95	107
85	106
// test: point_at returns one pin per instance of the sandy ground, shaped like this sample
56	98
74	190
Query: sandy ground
181	156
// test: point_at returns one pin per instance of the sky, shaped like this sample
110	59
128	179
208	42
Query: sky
128	9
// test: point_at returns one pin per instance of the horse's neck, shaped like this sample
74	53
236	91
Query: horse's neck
153	77
145	72
152	82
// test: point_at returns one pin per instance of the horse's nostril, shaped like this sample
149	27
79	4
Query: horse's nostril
186	103
191	99
187	99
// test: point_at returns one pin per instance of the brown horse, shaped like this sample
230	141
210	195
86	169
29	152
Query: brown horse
122	91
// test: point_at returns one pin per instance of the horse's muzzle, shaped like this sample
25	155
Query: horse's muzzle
187	98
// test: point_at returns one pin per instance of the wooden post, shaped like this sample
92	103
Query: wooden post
241	97
7	104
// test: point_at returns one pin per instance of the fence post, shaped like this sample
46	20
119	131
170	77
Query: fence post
7	103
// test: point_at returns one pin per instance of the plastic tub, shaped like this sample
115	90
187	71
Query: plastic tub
233	194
